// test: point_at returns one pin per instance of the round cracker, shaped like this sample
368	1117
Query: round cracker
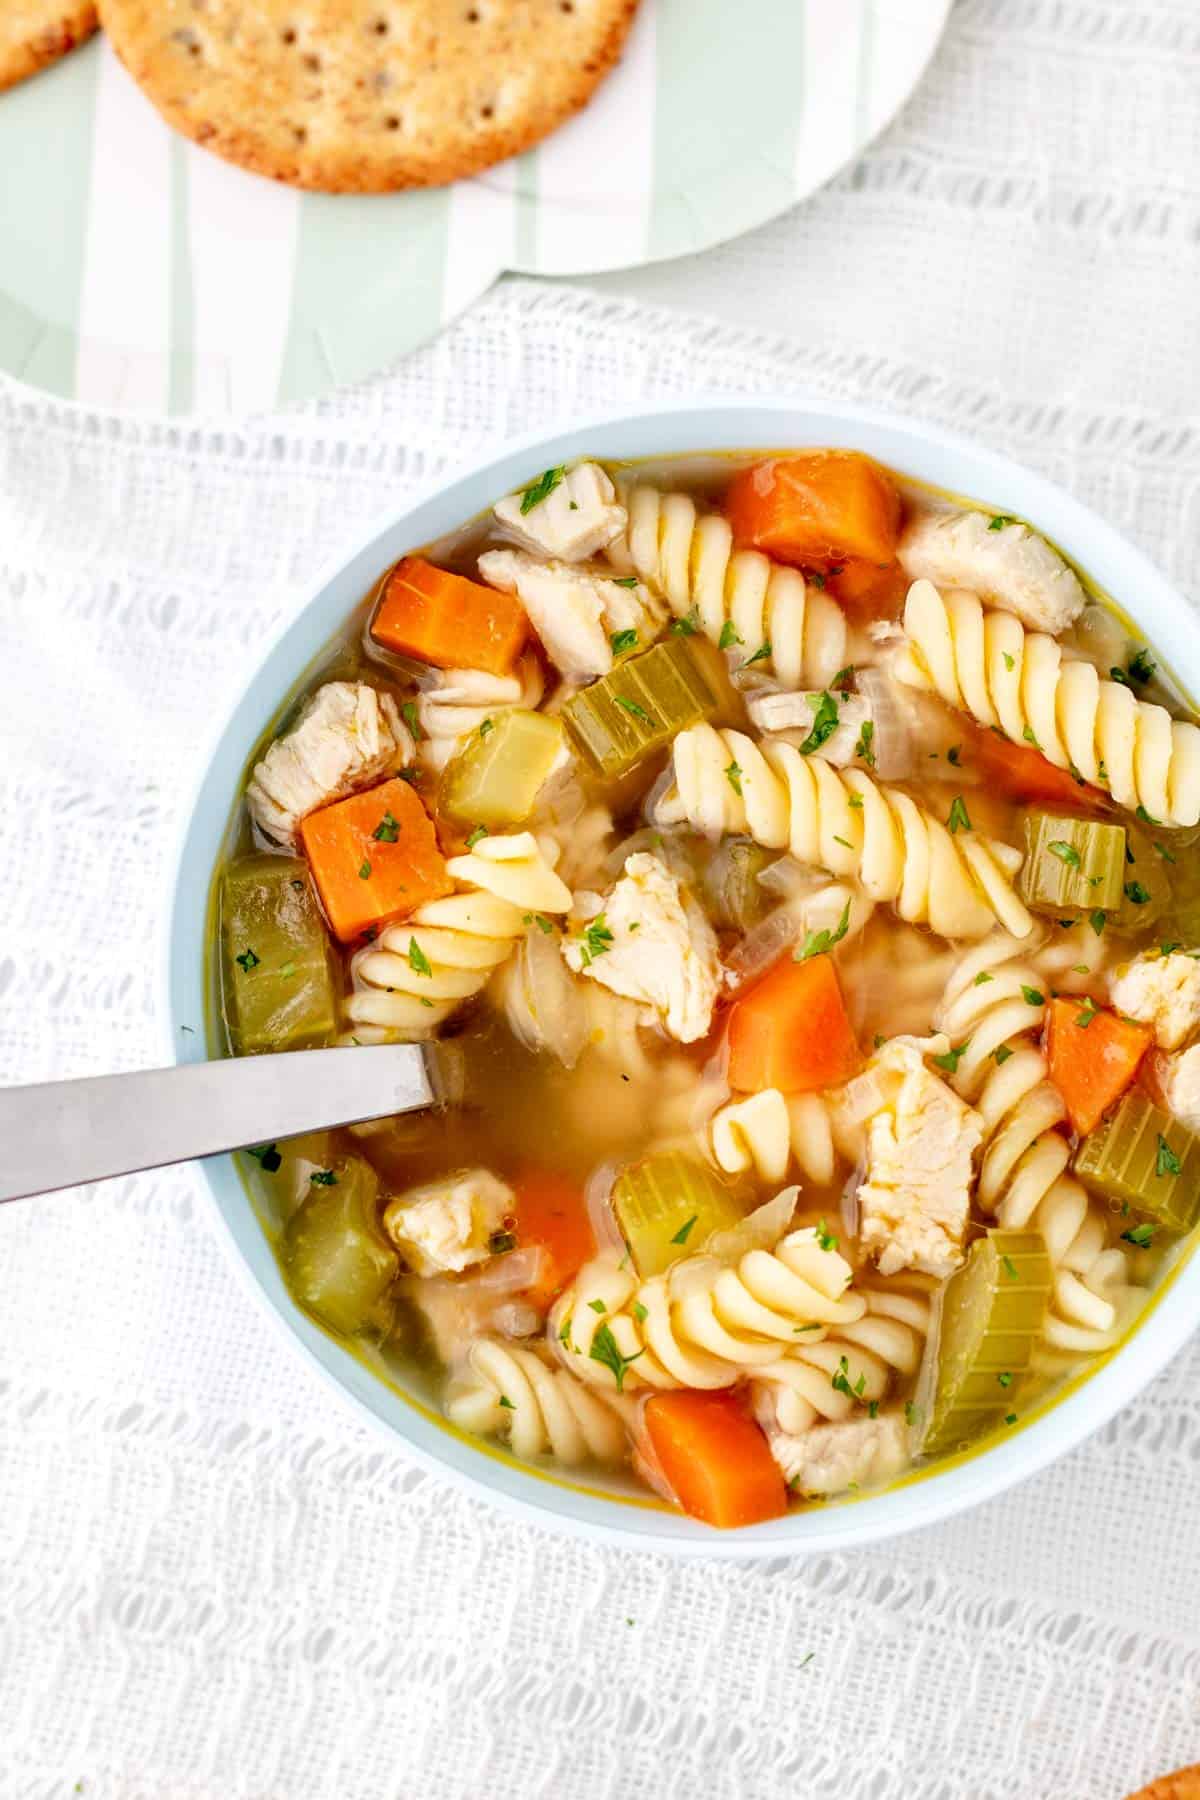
1184	1784
367	96
35	33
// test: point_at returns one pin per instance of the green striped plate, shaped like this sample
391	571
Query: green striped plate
139	272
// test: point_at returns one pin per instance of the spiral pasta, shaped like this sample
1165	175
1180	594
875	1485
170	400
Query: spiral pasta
460	702
420	970
689	558
843	821
767	1131
507	1391
989	665
852	1367
703	1324
995	1006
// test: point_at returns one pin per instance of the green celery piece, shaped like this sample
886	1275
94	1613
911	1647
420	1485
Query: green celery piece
1053	882
668	1206
337	1261
993	1309
495	779
281	996
1121	1158
639	706
736	898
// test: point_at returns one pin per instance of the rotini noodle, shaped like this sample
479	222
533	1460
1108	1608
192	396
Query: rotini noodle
852	1367
994	1006
507	1391
689	558
420	970
703	1323
989	665
843	821
768	1131
460	702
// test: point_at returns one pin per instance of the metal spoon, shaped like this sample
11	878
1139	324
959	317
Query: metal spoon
59	1133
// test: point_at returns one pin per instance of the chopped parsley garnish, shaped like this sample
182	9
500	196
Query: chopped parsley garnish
981	978
541	921
267	1155
408	712
625	581
872	1409
1027	734
762	654
999	521
1008	662
364	870
1142	666
1166	1162
631	706
1166	949
1145	817
855	801
418	962
1166	854
843	678
564	1332
323	1178
825	1237
622	641
1032	996
1010	1267
477	836
598	1306
1136	894
1001	1054
818	581
685	1230
688	625
818	942
824	723
1140	1236
1121	676
596	940
844	841
289	968
542	488
911	1413
1090	1009
505	1401
1066	853
960	819
247	960
730	636
952	1058
1005	1379
733	776
1010	1418
840	1379
500	1241
639	1312
487	726
387	831
864	749
606	1350
1098	920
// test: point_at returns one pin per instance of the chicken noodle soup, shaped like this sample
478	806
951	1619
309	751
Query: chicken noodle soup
797	870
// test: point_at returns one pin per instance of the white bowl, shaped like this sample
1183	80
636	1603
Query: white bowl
568	1505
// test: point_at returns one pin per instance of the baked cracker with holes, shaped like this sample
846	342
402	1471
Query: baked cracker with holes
367	96
36	33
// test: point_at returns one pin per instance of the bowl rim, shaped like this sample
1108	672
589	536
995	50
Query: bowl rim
722	422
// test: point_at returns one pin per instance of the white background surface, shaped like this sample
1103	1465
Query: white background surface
213	1582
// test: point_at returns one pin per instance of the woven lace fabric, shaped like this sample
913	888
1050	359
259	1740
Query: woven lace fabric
213	1580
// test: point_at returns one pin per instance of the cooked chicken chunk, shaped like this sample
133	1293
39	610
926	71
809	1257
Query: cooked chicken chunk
652	943
1001	560
1179	1078
574	612
913	1204
827	1459
347	736
446	1225
578	517
793	717
1163	991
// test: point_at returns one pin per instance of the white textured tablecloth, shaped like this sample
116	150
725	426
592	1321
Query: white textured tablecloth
213	1580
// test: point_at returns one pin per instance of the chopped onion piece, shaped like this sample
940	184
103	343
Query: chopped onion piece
517	1319
510	1272
764	945
542	1000
892	740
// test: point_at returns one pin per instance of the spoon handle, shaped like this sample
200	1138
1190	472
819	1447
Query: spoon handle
59	1133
